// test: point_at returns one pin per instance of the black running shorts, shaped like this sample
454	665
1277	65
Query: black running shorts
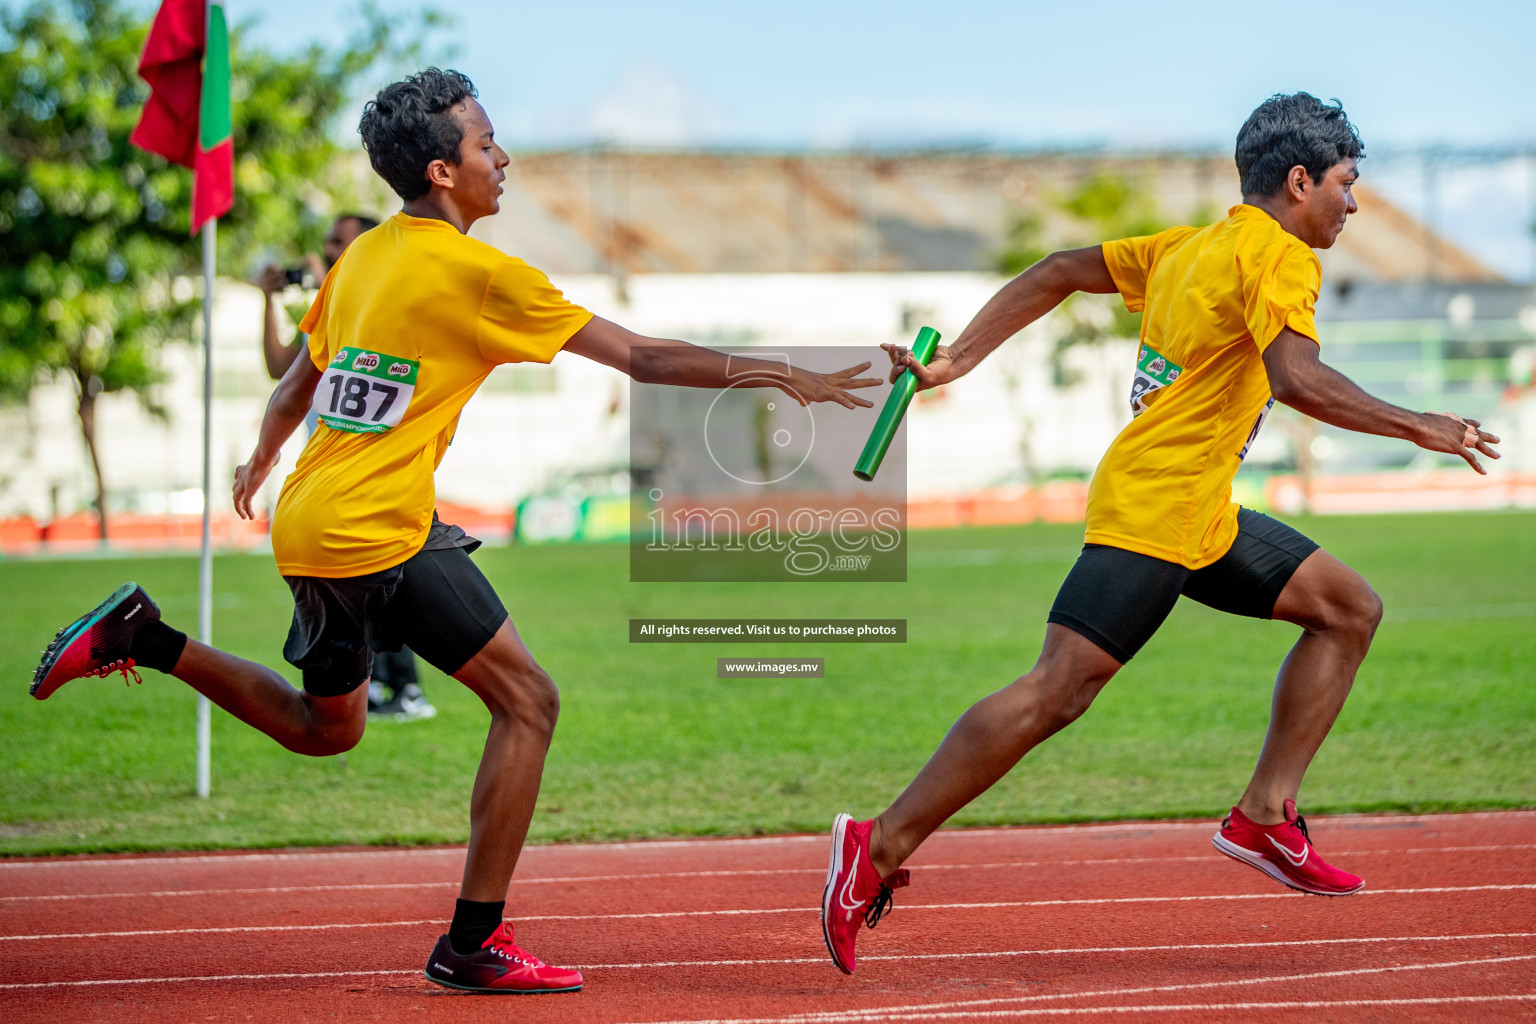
437	603
1119	598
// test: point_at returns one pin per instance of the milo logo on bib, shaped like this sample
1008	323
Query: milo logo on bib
365	392
1153	371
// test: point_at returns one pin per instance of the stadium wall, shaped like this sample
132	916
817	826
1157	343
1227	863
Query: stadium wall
1010	443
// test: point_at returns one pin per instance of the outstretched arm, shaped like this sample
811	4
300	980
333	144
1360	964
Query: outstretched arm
1020	303
286	410
1299	379
664	361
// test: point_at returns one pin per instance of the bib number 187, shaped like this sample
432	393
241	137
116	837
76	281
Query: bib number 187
365	392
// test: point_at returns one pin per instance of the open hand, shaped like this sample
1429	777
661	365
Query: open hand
1457	435
940	369
806	387
248	480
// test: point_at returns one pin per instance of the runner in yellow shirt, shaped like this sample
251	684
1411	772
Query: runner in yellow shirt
1227	331
408	324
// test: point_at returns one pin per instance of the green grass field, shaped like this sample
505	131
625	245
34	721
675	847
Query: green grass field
650	743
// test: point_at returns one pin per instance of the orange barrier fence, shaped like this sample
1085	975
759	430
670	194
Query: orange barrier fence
1439	490
79	533
488	524
1059	501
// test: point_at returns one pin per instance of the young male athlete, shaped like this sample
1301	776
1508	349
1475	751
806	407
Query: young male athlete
394	692
408	323
1228	330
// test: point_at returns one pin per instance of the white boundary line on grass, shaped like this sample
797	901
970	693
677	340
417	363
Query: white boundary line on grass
900	957
747	912
951	835
970	1008
738	873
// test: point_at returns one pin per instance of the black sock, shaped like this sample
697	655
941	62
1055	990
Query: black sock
156	645
473	923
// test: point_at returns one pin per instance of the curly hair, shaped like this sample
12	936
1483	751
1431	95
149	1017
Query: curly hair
411	123
1285	131
364	222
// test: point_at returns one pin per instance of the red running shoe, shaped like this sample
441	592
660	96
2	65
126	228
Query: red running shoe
1284	852
855	894
499	967
96	644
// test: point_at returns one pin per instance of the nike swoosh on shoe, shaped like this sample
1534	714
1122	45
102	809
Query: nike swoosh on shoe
1296	860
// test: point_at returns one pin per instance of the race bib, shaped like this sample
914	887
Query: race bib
365	392
1153	371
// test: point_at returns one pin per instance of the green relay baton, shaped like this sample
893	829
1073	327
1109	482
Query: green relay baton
895	407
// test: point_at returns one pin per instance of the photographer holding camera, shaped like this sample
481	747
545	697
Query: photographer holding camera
310	271
395	691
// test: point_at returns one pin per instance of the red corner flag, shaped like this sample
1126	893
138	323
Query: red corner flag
188	119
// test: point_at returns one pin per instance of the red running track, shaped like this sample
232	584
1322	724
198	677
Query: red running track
1138	921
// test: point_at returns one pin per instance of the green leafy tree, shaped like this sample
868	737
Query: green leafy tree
95	250
1023	244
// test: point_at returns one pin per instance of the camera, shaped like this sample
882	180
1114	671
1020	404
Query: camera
298	275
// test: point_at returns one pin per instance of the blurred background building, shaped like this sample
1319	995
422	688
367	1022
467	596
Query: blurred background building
784	249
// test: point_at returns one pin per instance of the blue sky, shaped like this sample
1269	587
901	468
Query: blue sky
1112	72
795	72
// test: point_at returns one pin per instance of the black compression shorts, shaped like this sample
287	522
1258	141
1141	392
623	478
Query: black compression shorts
438	603
1119	598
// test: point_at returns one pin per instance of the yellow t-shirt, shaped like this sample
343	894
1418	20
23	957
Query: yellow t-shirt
1214	298
407	325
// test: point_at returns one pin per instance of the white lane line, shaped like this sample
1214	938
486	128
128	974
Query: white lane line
1340	820
744	873
853	1017
262	891
1487	848
128	860
948	835
970	1008
1065	951
203	977
750	911
891	957
233	929
458	851
366	886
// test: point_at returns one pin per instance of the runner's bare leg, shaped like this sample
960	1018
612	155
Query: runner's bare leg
1338	612
990	738
261	698
524	705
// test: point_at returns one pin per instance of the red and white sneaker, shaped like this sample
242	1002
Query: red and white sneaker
1284	852
499	967
96	644
855	894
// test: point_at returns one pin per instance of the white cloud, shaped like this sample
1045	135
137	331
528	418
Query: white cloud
1487	208
647	105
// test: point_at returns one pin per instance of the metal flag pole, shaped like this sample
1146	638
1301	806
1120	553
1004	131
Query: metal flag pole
205	561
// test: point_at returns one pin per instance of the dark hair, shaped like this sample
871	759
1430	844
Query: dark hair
364	222
411	123
1285	131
